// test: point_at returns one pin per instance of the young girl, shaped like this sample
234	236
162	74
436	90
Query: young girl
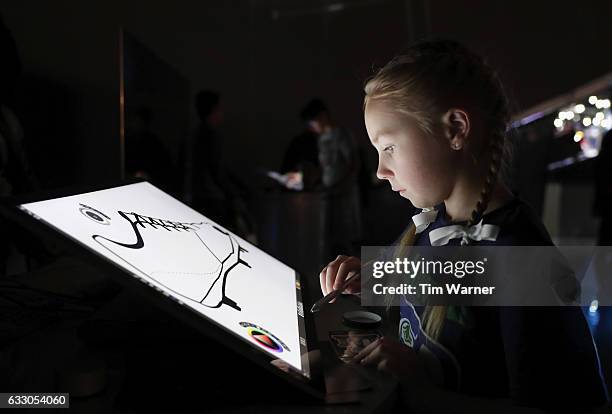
437	117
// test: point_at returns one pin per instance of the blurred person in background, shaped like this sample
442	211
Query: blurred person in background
339	164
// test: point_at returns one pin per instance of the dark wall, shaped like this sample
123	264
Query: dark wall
267	68
542	49
69	90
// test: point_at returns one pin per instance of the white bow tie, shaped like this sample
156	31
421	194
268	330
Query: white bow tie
477	232
441	236
424	218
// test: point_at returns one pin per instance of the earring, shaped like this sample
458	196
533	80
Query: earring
456	146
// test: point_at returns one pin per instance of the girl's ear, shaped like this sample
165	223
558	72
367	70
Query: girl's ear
456	124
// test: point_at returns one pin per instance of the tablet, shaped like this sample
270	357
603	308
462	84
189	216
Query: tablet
219	282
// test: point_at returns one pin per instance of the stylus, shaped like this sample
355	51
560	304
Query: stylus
333	294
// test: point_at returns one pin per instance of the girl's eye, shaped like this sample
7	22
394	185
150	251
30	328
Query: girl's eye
389	148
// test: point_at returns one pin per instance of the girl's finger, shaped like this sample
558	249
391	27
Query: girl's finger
322	280
330	275
367	351
332	272
353	287
383	365
373	357
345	270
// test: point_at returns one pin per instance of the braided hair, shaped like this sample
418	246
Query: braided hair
423	83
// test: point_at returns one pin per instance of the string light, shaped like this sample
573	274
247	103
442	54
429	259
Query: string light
589	122
578	136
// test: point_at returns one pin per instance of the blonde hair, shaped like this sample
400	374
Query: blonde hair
423	83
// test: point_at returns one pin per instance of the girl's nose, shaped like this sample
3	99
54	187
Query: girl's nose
382	172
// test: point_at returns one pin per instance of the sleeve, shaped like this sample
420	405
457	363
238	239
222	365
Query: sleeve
551	360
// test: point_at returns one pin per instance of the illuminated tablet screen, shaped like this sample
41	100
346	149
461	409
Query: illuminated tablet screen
189	257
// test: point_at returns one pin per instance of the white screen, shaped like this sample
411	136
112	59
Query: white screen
189	257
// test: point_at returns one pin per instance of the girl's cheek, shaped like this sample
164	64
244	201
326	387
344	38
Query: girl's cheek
425	180
417	171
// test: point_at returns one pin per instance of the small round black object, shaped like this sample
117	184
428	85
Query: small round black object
361	319
94	216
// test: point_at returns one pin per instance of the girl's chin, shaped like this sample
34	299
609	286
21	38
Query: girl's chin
416	203
405	195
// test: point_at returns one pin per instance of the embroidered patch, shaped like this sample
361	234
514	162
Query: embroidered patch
405	332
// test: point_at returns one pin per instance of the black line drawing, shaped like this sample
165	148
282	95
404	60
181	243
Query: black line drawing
219	247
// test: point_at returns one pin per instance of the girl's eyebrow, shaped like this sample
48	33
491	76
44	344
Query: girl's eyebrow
381	133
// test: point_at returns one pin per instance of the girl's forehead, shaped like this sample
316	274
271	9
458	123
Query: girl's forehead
376	112
377	125
378	105
379	110
381	118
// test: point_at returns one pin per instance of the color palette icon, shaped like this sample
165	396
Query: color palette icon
264	338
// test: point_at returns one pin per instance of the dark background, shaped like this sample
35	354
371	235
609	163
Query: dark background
268	68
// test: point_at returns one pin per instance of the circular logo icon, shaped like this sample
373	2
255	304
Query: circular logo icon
264	338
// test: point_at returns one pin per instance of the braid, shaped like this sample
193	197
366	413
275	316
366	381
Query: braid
498	116
489	184
496	150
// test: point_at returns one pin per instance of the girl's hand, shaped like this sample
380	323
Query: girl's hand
336	272
395	358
